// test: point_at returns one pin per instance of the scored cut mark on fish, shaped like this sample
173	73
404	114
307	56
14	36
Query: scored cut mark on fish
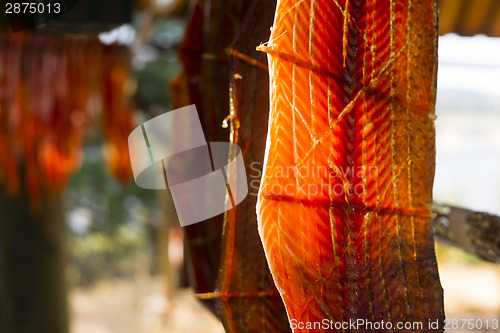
345	201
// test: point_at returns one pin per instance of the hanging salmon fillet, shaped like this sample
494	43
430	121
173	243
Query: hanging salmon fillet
47	86
225	76
249	301
344	205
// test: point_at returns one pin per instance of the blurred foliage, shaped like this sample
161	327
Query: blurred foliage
153	83
113	227
109	224
97	256
446	254
156	64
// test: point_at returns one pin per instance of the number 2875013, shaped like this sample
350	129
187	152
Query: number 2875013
32	8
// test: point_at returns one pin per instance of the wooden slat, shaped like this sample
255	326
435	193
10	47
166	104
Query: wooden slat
469	17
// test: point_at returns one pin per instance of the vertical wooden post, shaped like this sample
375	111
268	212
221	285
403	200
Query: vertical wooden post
32	260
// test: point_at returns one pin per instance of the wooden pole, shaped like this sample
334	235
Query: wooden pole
32	261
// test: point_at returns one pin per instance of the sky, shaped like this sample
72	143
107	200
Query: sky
471	63
468	131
